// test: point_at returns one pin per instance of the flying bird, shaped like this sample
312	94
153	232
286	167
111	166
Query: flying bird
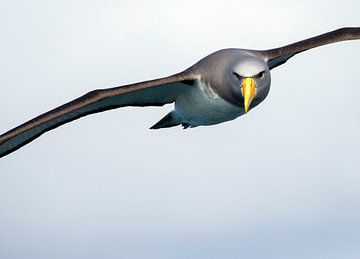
220	87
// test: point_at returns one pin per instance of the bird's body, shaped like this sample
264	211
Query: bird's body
212	99
201	105
220	87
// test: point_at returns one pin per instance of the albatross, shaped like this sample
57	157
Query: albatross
220	87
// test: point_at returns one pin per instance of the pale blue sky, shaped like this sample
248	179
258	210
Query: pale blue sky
281	182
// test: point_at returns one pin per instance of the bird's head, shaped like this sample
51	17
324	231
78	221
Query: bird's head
250	76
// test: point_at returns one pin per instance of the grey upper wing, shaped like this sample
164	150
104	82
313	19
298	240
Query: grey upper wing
278	56
149	93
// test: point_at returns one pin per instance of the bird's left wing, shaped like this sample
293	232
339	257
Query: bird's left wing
278	56
149	93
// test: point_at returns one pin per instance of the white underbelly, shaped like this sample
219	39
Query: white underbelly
200	105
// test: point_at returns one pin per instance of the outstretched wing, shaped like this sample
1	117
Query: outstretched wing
149	93
278	56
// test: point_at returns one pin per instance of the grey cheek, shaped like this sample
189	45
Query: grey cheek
236	93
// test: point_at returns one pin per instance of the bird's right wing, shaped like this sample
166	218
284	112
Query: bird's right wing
149	93
278	56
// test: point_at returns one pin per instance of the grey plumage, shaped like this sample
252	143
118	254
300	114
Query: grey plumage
208	92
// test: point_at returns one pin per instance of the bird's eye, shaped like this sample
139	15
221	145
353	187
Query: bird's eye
239	77
261	74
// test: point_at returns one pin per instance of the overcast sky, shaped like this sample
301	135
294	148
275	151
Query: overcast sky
280	182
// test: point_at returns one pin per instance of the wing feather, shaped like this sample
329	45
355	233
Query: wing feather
149	93
278	56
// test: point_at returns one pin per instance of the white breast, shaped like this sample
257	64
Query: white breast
200	105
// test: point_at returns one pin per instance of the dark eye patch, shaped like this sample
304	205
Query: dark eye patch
237	75
261	74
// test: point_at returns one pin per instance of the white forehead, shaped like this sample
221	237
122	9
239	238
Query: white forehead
249	66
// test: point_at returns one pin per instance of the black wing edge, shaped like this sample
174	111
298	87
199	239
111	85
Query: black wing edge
278	56
56	117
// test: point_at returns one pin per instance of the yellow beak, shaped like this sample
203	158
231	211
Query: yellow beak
248	91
